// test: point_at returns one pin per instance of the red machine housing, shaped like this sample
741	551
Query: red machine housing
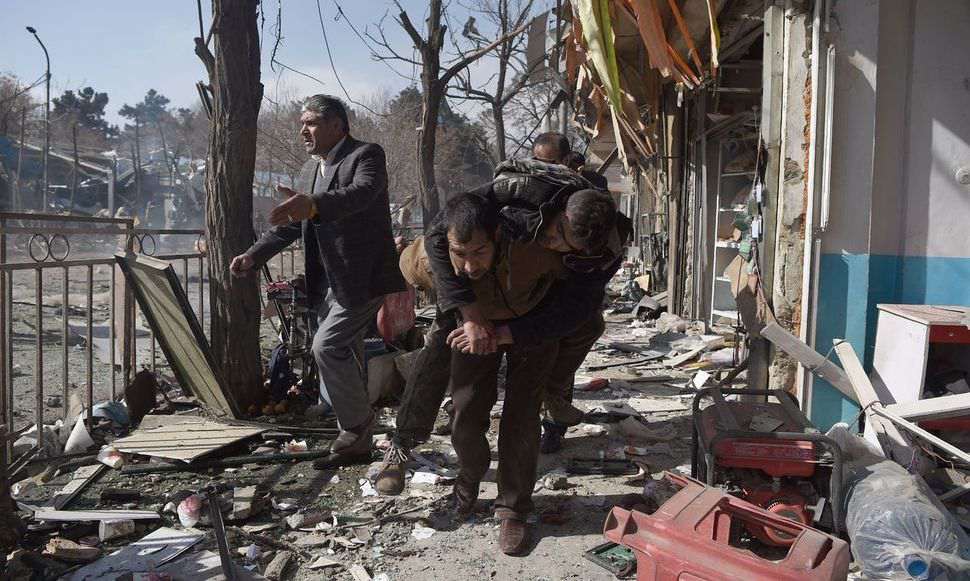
773	457
688	539
766	451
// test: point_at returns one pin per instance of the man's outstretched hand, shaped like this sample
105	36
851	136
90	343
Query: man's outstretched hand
296	208
242	265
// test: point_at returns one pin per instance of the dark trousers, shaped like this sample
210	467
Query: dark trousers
474	392
569	354
426	384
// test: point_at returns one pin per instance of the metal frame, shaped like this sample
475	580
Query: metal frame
166	270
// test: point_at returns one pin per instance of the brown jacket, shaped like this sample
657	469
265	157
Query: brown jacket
520	278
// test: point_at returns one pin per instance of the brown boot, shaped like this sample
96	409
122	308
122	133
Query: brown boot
355	441
513	536
390	480
464	495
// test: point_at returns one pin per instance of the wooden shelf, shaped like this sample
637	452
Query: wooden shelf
735	174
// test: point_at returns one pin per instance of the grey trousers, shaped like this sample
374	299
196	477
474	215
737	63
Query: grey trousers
338	348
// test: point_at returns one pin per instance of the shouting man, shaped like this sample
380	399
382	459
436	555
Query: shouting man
340	208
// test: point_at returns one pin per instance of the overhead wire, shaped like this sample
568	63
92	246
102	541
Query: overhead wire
363	39
333	66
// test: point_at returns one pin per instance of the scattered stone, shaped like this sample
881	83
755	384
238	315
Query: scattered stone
322	563
242	503
115	529
277	567
308	519
555	480
70	552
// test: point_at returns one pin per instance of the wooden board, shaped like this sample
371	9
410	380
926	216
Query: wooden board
930	314
809	358
893	444
937	408
90	515
918	431
183	440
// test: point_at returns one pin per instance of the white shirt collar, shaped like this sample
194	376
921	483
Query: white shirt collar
330	154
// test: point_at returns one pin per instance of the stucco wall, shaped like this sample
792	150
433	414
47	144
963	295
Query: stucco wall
900	222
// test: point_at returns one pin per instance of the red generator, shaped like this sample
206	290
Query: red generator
689	538
768	453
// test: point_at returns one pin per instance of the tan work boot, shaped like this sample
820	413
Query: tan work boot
390	480
355	441
513	536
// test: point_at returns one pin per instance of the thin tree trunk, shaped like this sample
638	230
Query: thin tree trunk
18	194
137	162
498	118
430	203
237	93
74	169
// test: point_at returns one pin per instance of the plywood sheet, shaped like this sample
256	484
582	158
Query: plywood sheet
182	439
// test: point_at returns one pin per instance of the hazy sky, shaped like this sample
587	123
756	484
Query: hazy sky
125	48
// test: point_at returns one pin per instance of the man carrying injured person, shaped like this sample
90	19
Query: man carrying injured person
523	289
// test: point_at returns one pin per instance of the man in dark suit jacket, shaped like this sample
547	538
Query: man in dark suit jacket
340	208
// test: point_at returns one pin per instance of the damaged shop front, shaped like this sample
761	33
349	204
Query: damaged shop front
781	391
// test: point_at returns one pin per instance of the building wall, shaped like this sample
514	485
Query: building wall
899	218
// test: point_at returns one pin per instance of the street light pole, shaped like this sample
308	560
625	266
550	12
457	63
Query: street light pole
47	113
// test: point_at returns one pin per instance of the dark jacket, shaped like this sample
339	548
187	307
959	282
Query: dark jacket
517	282
530	192
349	246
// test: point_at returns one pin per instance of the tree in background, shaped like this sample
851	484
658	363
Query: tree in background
237	93
435	79
512	73
15	99
84	109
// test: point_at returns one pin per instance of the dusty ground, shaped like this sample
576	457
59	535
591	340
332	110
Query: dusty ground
568	522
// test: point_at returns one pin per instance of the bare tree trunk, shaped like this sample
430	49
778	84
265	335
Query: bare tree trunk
498	118
74	169
137	162
237	93
430	202
18	204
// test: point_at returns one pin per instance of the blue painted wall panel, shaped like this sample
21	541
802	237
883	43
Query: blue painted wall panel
850	287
